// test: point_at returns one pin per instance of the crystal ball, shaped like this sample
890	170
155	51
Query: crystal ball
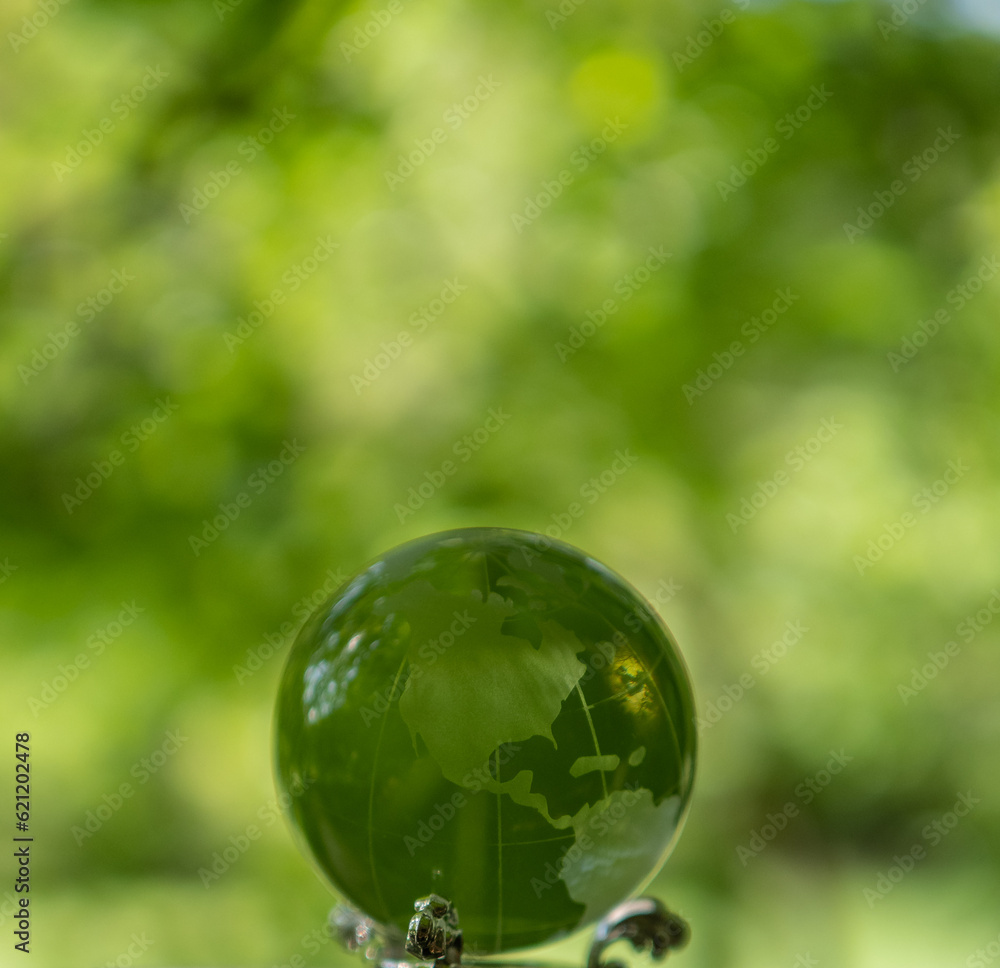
494	717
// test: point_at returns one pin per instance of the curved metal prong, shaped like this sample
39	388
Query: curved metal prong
644	922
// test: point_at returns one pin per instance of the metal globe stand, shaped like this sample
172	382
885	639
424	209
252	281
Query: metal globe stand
434	937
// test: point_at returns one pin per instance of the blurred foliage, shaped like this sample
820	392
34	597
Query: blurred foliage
205	151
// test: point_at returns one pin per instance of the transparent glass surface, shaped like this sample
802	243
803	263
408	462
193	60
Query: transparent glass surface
494	717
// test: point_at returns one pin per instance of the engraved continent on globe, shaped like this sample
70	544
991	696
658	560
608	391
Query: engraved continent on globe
494	717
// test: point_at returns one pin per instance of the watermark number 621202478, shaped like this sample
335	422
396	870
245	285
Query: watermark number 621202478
22	852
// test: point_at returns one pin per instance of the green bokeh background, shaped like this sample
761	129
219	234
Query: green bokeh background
727	587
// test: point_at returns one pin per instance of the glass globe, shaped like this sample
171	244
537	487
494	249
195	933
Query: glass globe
490	716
